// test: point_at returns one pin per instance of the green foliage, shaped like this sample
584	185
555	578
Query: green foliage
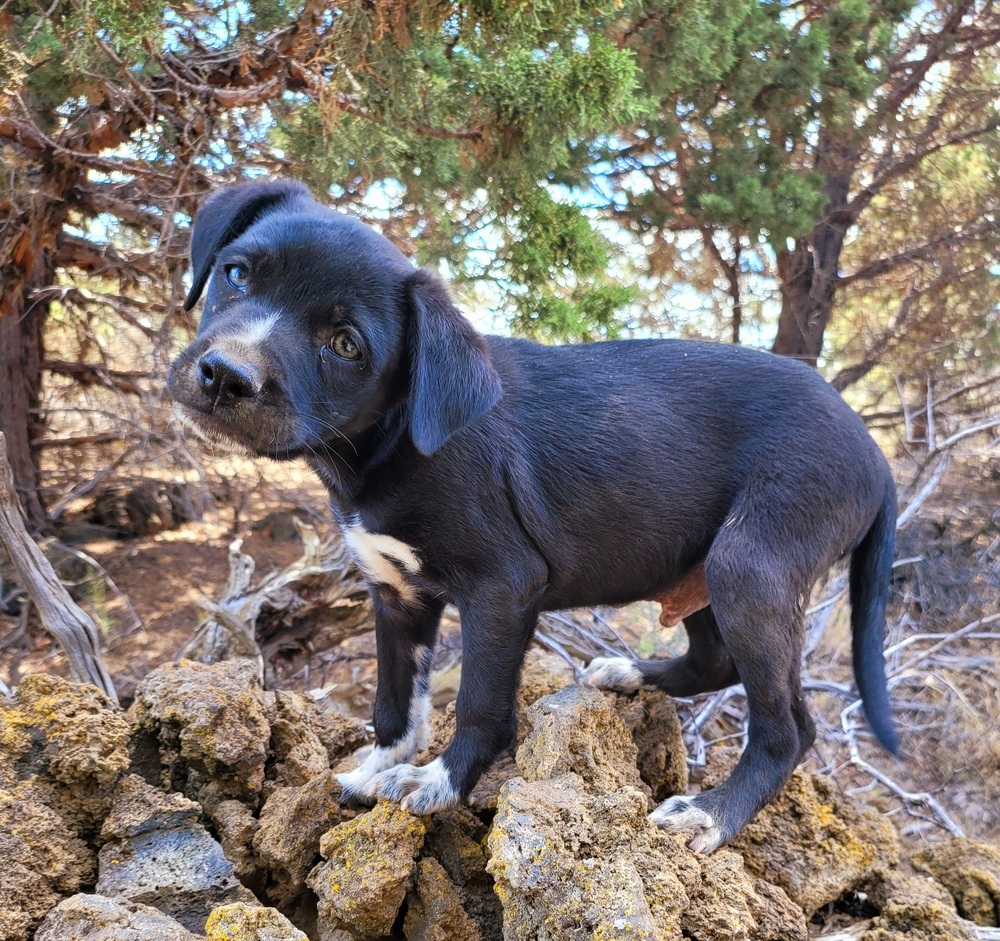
468	110
560	262
747	130
60	53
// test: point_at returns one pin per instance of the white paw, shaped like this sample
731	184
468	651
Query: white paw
618	673
421	791
358	786
681	813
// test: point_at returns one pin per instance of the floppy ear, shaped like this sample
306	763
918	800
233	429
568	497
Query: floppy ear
226	215
452	381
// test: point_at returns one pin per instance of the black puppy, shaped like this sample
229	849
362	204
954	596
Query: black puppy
511	478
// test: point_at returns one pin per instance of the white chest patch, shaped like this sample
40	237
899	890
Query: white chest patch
383	559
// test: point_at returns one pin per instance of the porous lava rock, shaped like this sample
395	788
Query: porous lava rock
62	747
970	871
368	869
914	908
25	894
157	853
67	743
543	675
574	854
576	730
816	844
37	836
435	911
652	721
456	840
202	729
242	922
569	863
566	866
304	741
236	827
99	918
292	822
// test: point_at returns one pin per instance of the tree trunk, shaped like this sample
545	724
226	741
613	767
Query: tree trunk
27	242
20	374
809	271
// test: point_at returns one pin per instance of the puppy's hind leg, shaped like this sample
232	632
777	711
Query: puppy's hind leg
755	590
404	638
705	667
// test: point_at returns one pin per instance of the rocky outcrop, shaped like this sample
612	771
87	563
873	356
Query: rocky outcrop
242	922
305	742
970	871
98	918
232	789
62	748
574	854
236	827
435	911
652	720
292	823
577	730
457	839
67	744
914	908
202	730
157	853
815	844
369	867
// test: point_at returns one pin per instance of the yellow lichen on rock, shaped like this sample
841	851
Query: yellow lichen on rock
576	730
369	868
435	911
208	722
970	871
292	822
242	922
914	908
816	844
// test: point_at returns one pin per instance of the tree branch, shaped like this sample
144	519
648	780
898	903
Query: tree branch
72	628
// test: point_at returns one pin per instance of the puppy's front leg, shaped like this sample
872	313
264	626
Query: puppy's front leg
494	640
404	638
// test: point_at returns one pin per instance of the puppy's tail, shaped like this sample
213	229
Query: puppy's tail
871	567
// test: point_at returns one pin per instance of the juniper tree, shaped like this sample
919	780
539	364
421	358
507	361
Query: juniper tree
813	110
116	117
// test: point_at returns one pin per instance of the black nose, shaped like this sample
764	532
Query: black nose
224	380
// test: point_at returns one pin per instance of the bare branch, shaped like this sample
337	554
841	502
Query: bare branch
75	632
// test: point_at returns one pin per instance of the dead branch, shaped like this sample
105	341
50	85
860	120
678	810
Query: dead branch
72	628
312	605
908	797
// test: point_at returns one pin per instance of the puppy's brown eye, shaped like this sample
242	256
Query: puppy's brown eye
345	346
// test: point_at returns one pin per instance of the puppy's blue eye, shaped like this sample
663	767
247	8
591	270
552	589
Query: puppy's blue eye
237	276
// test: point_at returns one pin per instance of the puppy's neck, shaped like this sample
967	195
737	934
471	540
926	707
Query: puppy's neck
346	465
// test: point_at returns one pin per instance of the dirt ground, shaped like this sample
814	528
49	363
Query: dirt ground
949	703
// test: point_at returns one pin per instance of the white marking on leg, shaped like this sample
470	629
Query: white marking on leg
380	557
618	673
422	659
359	784
421	791
682	814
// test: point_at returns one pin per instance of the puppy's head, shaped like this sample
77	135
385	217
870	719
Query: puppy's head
314	327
